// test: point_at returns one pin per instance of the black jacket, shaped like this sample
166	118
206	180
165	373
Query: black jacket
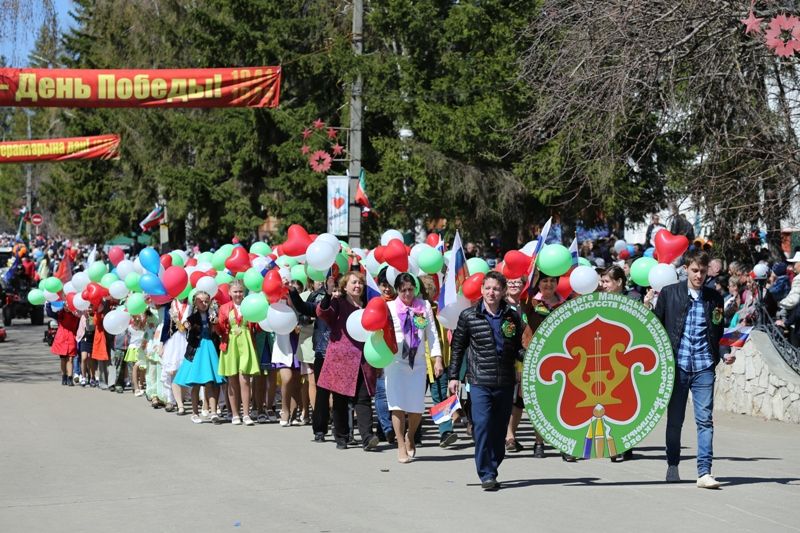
474	339
308	308
672	307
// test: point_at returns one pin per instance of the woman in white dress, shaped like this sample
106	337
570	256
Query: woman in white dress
173	336
414	327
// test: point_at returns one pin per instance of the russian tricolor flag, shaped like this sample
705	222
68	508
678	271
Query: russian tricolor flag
735	337
456	274
573	251
540	241
443	411
373	291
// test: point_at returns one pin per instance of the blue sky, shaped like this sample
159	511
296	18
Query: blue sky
16	52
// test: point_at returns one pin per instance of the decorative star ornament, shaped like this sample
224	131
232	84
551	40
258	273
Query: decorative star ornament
783	35
318	124
331	133
305	149
306	133
337	149
752	24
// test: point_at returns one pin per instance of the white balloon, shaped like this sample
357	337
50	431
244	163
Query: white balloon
207	284
281	318
79	303
50	296
584	279
390	234
448	317
413	267
331	239
372	265
183	255
761	270
662	275
418	249
116	322
137	266
118	290
359	252
320	255
204	266
124	268
391	274
80	280
69	287
354	327
265	325
620	245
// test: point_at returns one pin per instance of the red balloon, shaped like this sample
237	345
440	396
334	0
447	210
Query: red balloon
472	286
115	255
174	280
70	297
624	254
669	246
195	277
277	251
166	260
252	256
379	254
273	286
191	262
375	316
239	260
517	264
433	239
395	254
222	296
160	299
500	267
93	293
297	241
564	289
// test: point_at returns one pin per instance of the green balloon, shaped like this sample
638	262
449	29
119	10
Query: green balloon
260	248
345	247
554	260
447	255
223	277
136	304
132	282
40	286
185	293
108	279
316	275
299	274
342	263
52	285
584	262
254	307
206	257
430	260
376	352
97	270
253	279
177	259
640	270
218	259
36	296
239	275
286	261
476	264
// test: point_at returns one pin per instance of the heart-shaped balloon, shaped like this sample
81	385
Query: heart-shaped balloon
564	287
174	280
297	241
471	288
375	315
166	260
195	277
238	261
191	262
273	286
669	247
516	264
396	255
222	296
378	253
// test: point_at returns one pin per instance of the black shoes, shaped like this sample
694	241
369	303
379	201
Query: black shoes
371	442
490	484
341	444
390	437
538	450
447	439
319	437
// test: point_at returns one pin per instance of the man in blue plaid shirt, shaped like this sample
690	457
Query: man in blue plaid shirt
692	315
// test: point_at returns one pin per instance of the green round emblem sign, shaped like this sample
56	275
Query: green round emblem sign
598	375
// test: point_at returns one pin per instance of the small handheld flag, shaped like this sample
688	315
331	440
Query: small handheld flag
735	337
443	411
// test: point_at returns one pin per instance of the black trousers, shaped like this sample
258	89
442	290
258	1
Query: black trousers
322	411
363	407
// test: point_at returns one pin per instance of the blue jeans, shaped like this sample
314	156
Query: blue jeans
701	385
382	405
439	394
491	410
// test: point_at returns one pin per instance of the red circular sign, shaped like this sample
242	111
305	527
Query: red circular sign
36	219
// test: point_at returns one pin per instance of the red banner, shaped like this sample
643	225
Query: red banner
201	87
66	149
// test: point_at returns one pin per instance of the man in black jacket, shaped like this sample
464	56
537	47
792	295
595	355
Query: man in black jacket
489	335
692	314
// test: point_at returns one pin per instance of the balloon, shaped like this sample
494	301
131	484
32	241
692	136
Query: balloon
395	254
620	245
207	284
418	249
160	300
631	249
136	303
649	252
329	238
260	248
433	239
640	270
53	284
375	315
80	280
253	279
238	261
286	261
223	277
297	241
51	296
554	260
36	297
137	266
376	352
116	322
342	263
79	303
177	258
219	257
516	264
150	260
166	261
391	275
624	254
430	260
321	254
124	268
354	327
471	287
150	284
669	247
115	255
108	279
585	262
564	289
205	257
389	235
185	292
273	286
97	270
584	279
93	293
264	324
254	307
175	280
371	263
299	274
476	264
118	290
314	274
281	318
662	275
68	287
132	281
448	316
760	271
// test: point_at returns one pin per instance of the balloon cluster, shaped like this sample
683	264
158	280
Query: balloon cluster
655	268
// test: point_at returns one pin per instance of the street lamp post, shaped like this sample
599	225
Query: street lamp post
28	181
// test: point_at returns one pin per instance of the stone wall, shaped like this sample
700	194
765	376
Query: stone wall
759	383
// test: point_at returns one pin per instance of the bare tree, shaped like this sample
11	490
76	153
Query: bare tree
16	14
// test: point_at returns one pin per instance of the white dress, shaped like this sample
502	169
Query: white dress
405	386
175	346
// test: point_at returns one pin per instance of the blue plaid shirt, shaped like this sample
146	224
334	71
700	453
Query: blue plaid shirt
694	354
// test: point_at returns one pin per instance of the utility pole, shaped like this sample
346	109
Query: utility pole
354	222
28	182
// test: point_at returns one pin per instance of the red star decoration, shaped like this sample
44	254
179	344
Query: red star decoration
776	32
305	149
306	134
318	124
331	133
337	149
752	24
320	161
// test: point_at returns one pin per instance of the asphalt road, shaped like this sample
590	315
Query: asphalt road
74	459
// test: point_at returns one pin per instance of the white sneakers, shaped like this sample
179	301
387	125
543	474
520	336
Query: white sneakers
672	474
707	481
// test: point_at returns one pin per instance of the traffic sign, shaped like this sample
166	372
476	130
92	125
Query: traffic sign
37	219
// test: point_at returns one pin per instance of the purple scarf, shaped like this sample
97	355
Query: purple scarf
410	338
